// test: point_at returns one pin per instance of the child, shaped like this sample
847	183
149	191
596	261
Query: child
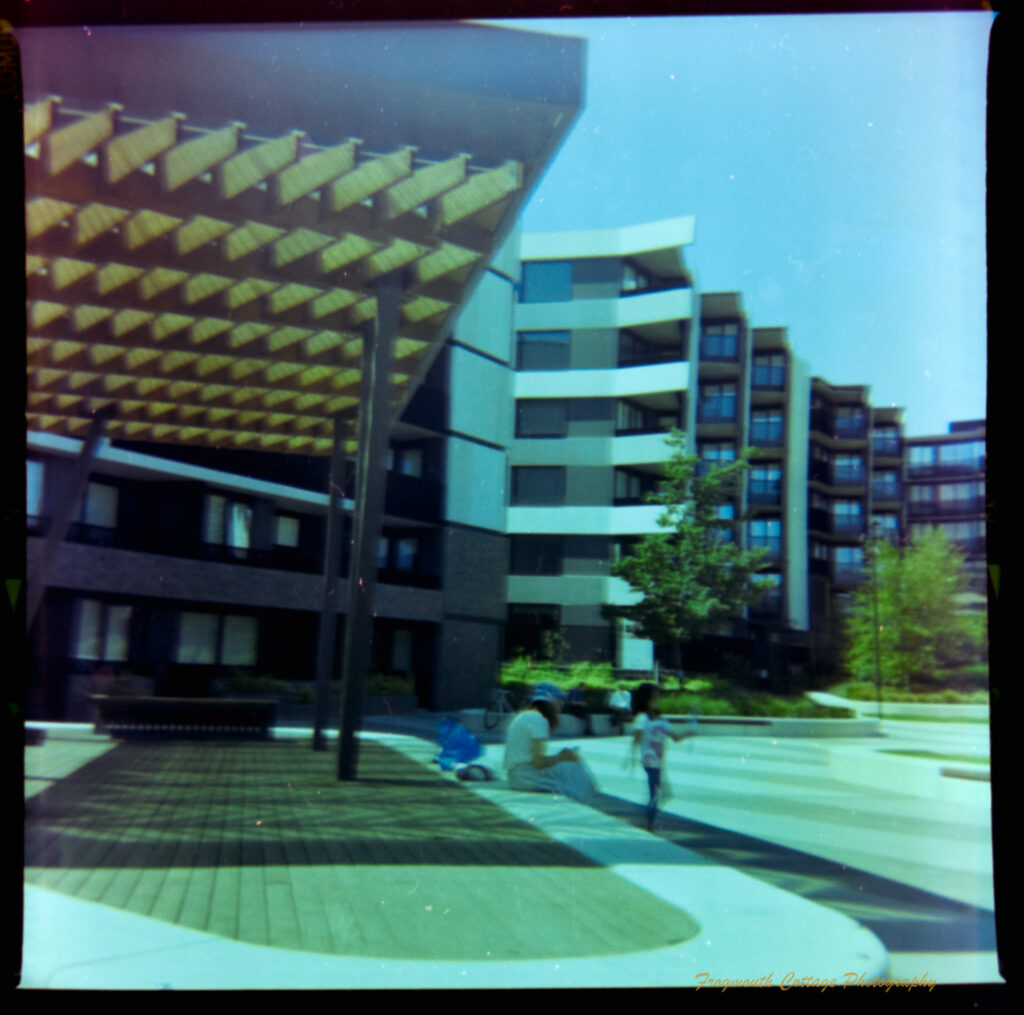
649	734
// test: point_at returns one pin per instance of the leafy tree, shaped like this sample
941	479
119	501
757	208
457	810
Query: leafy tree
691	576
920	626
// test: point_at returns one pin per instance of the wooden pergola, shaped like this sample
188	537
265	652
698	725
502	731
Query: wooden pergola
207	283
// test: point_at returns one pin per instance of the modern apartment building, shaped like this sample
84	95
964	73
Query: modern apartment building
945	476
604	368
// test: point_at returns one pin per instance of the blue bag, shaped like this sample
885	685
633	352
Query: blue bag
458	745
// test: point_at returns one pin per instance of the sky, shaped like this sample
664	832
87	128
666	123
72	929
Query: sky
835	166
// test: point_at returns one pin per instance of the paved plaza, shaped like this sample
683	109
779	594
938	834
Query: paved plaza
218	864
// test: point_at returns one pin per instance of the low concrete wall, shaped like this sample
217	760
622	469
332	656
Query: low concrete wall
715	726
896	709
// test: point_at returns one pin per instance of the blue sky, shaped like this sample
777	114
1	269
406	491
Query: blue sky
835	165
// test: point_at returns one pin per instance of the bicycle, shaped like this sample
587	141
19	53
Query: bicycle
500	705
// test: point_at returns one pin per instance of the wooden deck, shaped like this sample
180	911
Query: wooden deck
258	842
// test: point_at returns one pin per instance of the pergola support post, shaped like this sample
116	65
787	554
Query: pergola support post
70	500
326	639
371	476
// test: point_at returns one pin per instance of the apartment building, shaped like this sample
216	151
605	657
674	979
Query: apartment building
604	368
945	477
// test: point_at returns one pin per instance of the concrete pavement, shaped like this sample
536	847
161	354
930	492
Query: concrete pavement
727	925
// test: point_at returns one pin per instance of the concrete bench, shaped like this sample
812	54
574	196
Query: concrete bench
184	718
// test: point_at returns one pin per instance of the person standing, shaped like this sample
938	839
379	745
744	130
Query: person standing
650	734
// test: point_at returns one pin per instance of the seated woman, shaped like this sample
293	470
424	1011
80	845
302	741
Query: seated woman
527	762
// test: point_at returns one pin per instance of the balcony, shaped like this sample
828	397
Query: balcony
768	378
715	410
967	467
886	447
765	493
766	436
848	574
773	544
886	491
848	476
947	508
847	525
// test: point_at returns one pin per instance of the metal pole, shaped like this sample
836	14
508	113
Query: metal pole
371	476
71	499
328	601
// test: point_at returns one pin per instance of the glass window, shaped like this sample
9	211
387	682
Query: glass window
227	523
546	282
88	639
542	417
769	370
718	451
33	488
922	455
717	402
536	554
542	350
719	341
101	631
238	647
538	485
208	638
766	426
287	531
197	638
99	506
406	552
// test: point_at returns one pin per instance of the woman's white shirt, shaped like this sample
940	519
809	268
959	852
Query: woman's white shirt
522	731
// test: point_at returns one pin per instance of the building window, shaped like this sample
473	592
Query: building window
848	563
542	350
886	527
766	486
101	632
847	516
767	427
772	600
969	455
34	472
209	638
286	531
632	487
546	282
635	279
542	555
227	523
848	470
885	441
538	485
769	370
542	417
849	421
719	342
885	485
767	533
718	451
406	461
717	403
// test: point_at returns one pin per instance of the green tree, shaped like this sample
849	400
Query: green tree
921	628
690	576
